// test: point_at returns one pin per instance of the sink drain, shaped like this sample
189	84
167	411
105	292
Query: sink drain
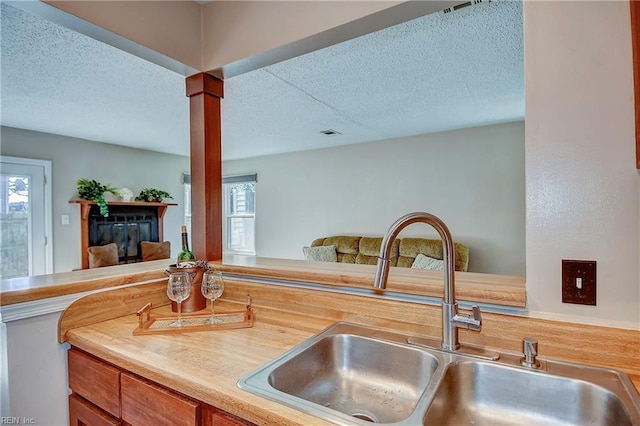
364	417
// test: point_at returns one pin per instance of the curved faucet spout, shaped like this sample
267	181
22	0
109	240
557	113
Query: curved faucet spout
451	319
382	271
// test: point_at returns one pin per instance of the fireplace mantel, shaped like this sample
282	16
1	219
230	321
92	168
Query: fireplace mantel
85	208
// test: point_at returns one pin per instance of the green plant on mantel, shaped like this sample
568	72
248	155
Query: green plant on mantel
152	195
94	191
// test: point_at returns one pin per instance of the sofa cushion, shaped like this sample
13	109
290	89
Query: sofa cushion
426	262
320	253
369	251
411	247
346	246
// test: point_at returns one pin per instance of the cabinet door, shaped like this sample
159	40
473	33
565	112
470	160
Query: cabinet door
212	416
82	413
95	381
145	403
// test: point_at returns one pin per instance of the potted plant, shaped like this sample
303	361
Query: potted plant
94	191
152	195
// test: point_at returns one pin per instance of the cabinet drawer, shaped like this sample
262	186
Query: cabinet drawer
95	381
82	412
145	403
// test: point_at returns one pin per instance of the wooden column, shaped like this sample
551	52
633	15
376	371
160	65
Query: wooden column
204	92
635	43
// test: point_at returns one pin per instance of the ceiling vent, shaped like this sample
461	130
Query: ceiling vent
330	132
463	5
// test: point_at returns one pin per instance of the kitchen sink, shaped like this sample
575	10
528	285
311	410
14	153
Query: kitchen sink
482	393
349	374
355	375
362	377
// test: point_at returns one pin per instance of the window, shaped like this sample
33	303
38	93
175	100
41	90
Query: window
239	203
186	181
239	212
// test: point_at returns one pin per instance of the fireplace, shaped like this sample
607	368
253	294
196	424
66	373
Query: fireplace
127	225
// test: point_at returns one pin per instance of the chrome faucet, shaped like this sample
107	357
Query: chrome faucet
451	319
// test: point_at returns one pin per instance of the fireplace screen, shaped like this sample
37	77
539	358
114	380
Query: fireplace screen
126	226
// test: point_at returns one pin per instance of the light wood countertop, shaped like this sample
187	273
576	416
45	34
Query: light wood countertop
206	365
484	288
27	289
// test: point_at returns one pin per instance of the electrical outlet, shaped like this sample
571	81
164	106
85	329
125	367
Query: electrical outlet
579	282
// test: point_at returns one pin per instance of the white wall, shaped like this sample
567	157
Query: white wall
37	371
119	166
473	179
581	181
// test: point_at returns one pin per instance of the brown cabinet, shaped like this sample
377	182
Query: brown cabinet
95	381
145	403
105	395
211	416
82	412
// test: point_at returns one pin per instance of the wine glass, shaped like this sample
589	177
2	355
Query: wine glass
179	289
212	288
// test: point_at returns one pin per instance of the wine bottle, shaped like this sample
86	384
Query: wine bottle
186	258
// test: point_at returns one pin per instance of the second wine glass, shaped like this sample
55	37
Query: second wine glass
212	288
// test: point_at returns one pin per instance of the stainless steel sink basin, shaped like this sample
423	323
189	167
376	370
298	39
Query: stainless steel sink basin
350	374
362	377
481	393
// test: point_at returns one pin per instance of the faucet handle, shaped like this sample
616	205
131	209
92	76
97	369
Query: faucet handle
476	314
470	322
476	320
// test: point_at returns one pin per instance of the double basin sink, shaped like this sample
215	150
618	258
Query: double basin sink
355	375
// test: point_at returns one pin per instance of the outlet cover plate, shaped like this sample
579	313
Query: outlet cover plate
572	270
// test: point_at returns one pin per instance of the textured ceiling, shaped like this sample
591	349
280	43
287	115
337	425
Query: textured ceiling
59	81
439	72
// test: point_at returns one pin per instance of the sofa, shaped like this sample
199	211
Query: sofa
365	250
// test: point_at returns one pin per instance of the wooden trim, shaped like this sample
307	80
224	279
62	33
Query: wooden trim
204	83
204	93
125	203
85	208
115	303
635	43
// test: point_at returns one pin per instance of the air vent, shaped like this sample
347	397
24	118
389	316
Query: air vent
463	5
330	132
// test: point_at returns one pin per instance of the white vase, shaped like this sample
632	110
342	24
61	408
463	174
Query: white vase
126	194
